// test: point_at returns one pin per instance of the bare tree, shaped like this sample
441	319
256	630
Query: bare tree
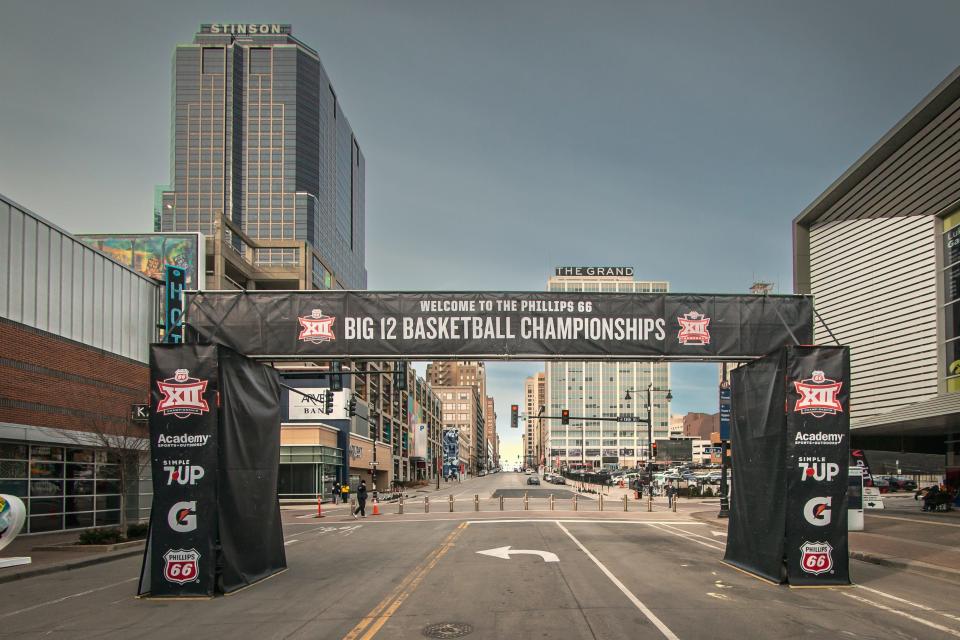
123	440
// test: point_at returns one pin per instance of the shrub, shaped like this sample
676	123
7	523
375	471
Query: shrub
100	536
137	531
708	492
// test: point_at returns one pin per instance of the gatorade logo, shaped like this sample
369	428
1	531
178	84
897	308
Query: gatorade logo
817	511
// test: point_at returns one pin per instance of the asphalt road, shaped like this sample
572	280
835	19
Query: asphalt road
636	575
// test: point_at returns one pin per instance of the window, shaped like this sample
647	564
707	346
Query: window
259	61
213	60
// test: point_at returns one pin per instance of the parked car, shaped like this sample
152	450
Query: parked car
533	480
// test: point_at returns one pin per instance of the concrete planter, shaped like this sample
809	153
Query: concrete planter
91	548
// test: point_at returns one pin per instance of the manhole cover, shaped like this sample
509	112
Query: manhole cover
447	630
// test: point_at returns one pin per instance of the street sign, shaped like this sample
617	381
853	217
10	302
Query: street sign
628	419
140	412
374	463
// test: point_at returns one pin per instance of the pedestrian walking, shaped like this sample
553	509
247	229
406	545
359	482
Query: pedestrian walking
361	500
670	494
336	492
345	493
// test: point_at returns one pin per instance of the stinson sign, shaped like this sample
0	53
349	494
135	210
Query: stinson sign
500	325
249	28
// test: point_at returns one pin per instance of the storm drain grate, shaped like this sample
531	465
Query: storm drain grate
447	630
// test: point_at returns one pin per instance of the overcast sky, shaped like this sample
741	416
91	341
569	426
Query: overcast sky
505	137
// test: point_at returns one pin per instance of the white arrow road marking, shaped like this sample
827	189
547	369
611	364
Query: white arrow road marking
504	552
289	542
718	534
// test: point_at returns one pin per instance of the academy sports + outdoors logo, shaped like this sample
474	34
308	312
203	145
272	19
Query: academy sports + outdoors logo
316	327
693	329
817	511
182	395
182	516
818	396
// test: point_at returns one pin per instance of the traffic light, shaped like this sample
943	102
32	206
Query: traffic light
565	416
514	416
400	375
336	378
653	449
352	406
328	402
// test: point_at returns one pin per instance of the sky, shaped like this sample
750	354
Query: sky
506	137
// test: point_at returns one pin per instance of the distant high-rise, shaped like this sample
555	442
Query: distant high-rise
259	139
598	390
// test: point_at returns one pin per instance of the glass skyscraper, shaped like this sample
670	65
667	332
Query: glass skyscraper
259	136
597	389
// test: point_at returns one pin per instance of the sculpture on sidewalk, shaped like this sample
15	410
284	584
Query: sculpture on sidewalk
12	516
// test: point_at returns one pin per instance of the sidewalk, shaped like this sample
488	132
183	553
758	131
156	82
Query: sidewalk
49	561
926	543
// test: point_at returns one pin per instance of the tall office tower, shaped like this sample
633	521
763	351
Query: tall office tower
490	430
264	159
471	373
598	389
534	439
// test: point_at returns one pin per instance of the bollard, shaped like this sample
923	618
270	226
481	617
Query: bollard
426	504
501	503
451	503
599	502
624	502
551	502
526	505
674	504
400	506
574	502
476	502
649	503
319	508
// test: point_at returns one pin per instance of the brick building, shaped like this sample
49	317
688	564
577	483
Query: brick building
75	329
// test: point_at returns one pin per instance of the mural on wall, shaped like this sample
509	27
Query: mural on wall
451	452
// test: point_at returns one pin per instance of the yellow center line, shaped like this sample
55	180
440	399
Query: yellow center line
373	621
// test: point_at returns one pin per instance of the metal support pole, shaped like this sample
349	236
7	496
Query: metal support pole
451	503
426	504
724	485
476	502
400	508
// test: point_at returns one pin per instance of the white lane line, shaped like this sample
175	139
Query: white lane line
672	527
664	629
596	520
918	520
65	598
690	537
912	604
289	542
932	625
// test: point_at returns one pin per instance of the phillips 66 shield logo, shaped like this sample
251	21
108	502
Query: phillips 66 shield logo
819	395
182	395
693	329
316	327
816	557
180	566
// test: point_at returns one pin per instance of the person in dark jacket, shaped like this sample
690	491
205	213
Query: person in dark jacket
361	500
336	492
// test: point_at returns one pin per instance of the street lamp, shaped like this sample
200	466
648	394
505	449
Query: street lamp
649	421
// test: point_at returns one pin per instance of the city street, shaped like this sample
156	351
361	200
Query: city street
615	575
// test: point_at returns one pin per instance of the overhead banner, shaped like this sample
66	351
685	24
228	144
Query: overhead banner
500	325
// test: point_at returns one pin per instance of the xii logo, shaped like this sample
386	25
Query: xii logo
182	395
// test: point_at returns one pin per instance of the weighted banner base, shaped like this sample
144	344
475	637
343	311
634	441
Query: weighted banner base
13	562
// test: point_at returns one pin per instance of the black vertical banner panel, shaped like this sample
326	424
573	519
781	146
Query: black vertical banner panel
183	448
758	494
251	538
818	450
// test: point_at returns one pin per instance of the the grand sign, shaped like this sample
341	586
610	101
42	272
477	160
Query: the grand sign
500	325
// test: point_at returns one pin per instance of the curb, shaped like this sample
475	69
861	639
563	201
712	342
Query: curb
67	566
908	565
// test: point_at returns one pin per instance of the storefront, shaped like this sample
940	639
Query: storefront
361	454
310	461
